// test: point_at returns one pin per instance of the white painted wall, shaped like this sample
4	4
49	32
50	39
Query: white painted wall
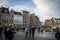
18	19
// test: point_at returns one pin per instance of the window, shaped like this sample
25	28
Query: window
25	21
0	14
11	21
5	11
6	21
0	22
0	10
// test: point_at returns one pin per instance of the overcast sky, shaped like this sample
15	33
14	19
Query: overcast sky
44	9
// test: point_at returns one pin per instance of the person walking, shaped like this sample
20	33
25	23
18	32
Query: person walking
38	30
11	33
6	30
57	35
33	31
17	29
1	29
26	31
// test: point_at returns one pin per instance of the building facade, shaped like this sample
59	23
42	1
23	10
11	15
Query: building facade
4	16
57	22
16	19
34	20
25	18
48	23
11	19
52	23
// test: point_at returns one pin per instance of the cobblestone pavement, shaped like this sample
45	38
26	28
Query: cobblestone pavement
41	36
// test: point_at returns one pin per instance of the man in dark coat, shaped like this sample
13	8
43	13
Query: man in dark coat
11	33
1	29
6	33
30	32
33	31
57	35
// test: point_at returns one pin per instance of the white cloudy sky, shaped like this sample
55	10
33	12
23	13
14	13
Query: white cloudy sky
44	9
4	2
47	8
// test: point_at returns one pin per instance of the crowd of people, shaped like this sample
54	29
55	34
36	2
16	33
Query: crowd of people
30	31
8	32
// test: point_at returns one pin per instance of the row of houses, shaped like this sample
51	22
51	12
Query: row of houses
17	19
52	23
